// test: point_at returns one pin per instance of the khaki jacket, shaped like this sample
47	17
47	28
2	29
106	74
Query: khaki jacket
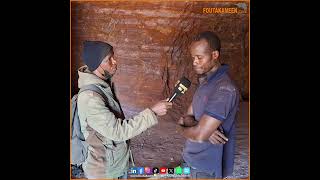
105	131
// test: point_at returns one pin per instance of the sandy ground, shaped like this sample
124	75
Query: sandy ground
161	146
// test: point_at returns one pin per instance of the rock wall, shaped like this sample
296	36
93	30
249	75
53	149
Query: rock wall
151	45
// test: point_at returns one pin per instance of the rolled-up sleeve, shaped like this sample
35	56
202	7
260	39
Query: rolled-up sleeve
101	119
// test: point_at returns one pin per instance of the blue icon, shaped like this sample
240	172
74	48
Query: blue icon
133	170
140	170
186	170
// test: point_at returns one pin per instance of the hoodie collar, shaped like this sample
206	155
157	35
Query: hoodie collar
86	77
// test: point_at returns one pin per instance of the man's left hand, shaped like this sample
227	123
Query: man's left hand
218	138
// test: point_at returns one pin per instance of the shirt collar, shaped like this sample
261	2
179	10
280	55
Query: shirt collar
215	74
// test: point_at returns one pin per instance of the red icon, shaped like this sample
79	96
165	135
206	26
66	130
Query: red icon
163	170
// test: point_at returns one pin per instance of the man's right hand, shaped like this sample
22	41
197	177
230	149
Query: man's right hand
161	107
187	120
181	121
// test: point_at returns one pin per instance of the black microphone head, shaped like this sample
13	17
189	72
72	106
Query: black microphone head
182	86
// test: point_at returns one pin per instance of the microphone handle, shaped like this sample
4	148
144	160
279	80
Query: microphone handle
172	97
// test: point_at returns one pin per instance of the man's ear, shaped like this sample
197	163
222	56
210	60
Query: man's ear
215	54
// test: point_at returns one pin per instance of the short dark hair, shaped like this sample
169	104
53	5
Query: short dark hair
212	39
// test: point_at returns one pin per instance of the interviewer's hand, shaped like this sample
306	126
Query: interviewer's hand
161	107
218	138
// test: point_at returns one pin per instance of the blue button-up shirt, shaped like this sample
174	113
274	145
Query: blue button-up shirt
218	97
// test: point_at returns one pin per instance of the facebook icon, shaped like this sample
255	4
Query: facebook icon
140	170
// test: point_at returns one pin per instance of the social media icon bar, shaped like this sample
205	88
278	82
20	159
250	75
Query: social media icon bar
145	171
155	171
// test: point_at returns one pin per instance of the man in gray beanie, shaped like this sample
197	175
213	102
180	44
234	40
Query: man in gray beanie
102	123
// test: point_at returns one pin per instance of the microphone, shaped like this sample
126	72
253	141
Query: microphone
180	88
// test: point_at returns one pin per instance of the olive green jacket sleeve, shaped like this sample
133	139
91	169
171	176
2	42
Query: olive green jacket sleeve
100	118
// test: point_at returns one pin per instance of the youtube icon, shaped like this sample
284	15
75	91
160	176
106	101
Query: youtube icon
163	170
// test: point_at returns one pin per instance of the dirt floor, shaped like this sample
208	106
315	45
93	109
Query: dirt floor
161	146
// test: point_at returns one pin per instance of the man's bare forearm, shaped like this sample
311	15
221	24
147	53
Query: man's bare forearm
203	130
190	133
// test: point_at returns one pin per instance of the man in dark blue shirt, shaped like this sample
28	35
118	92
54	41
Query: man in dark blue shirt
209	125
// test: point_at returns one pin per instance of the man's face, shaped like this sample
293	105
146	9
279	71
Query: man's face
109	64
203	58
